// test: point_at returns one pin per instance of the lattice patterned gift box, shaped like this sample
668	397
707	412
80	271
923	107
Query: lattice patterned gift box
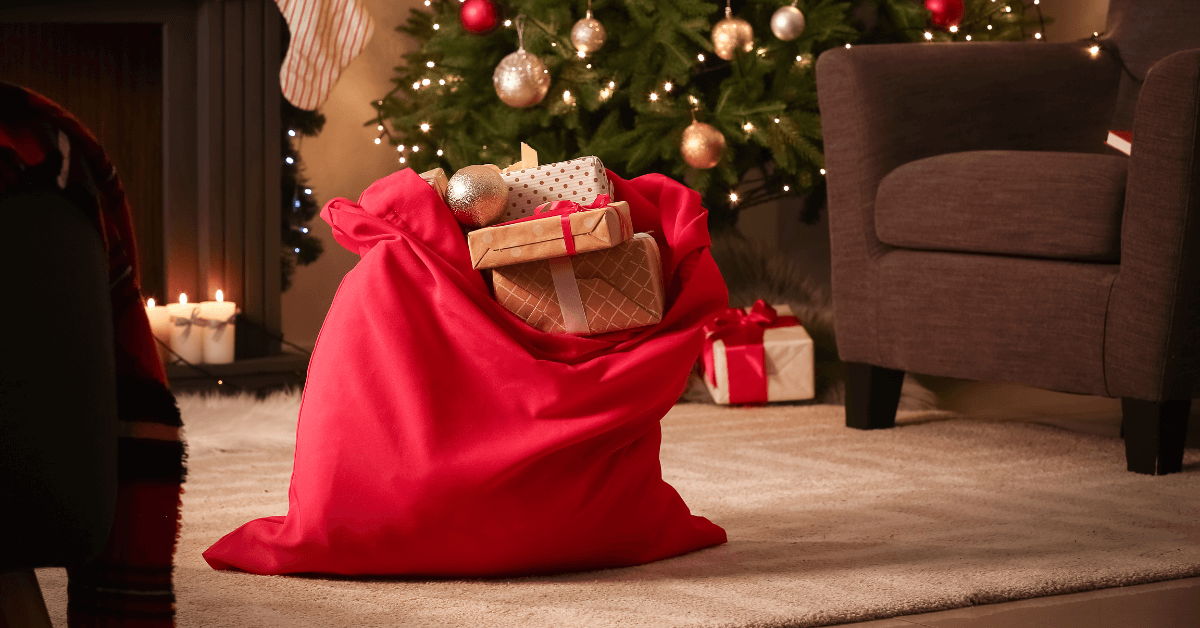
575	180
590	293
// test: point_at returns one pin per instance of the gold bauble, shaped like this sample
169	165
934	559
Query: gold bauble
588	34
521	79
702	145
477	195
730	35
787	23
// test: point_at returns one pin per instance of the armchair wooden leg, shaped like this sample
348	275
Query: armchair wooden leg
21	602
872	395
1154	434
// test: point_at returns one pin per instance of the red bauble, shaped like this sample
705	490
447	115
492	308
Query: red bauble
478	16
945	13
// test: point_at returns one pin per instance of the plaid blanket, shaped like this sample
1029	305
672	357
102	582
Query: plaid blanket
42	147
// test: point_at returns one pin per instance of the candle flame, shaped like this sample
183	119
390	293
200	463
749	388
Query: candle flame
182	299
220	296
150	302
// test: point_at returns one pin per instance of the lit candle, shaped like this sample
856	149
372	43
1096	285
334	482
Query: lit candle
218	331
187	339
160	326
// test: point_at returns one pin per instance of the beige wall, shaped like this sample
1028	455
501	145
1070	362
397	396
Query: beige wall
344	160
1074	19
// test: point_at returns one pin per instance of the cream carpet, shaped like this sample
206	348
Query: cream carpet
826	525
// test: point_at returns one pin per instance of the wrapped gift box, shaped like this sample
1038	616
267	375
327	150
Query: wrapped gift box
531	239
787	358
436	179
575	180
590	293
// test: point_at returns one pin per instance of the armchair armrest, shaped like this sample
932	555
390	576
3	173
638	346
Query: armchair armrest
1152	337
885	105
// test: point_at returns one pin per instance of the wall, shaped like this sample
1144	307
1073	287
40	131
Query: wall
344	160
1074	19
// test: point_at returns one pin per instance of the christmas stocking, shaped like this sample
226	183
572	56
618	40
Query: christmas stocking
326	36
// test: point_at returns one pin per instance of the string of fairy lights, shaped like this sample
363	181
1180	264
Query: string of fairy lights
966	27
662	97
296	188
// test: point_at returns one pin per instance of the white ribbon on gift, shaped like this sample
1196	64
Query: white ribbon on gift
562	271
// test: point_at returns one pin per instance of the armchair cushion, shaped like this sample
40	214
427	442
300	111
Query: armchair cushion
1051	205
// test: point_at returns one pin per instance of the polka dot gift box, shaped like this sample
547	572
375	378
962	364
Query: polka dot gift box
575	180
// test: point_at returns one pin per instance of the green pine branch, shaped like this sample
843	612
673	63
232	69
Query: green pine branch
615	104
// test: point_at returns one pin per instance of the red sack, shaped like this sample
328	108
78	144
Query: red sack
440	435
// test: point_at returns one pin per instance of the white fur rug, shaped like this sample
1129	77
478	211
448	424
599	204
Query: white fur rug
826	525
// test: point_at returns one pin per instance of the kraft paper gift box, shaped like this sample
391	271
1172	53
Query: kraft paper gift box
436	179
787	353
575	180
591	228
590	293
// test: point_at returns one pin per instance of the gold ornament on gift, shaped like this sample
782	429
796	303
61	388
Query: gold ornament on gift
787	22
588	34
702	145
477	195
732	34
521	79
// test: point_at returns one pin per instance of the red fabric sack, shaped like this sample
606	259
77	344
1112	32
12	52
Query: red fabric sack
440	435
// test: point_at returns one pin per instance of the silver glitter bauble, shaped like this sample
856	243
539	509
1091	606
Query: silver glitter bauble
787	23
477	195
702	145
588	34
730	35
521	79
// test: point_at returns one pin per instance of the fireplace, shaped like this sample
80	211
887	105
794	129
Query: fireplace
184	96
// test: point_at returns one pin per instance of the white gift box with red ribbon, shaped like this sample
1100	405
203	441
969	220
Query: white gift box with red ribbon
757	355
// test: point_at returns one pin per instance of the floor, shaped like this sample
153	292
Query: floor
1171	604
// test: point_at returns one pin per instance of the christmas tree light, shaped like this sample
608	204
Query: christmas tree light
618	102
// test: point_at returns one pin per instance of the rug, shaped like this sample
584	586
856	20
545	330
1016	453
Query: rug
827	525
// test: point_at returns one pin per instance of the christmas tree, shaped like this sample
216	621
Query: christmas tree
299	205
656	76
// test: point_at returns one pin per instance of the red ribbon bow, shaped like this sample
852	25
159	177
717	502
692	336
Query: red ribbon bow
564	209
745	362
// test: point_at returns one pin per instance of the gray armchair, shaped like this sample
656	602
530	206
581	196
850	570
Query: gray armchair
981	229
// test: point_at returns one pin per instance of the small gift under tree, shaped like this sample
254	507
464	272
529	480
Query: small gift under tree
757	355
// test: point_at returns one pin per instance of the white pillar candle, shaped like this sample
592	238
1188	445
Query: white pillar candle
160	326
187	339
218	331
